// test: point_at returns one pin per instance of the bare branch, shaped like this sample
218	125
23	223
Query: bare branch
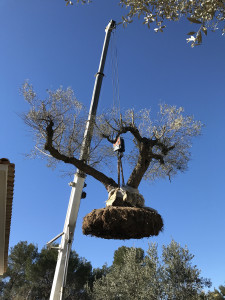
76	162
43	152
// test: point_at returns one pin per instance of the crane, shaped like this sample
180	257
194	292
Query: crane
59	281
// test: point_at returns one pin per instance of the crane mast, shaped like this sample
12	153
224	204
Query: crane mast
59	281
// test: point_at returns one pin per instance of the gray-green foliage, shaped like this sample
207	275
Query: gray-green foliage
160	146
126	282
205	14
181	278
68	115
171	277
172	128
120	254
217	294
133	276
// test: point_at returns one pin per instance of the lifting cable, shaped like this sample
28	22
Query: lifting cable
115	75
119	146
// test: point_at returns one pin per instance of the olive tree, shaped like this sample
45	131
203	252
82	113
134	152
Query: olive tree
217	294
209	14
161	147
171	276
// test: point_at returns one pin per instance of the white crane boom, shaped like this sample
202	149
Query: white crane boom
59	280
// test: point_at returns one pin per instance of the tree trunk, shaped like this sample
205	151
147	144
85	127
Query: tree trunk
139	171
144	160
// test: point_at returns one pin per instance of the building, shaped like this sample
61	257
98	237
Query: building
7	176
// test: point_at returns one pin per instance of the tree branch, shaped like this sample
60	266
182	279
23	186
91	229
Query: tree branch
132	129
81	165
163	147
145	157
158	157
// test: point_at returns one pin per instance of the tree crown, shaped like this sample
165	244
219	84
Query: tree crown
161	147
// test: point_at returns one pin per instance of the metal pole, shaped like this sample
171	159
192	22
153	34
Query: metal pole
74	202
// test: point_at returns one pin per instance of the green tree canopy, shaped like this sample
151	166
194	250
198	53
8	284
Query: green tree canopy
217	294
133	275
121	252
16	281
171	277
30	274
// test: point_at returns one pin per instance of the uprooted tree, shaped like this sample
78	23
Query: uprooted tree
160	148
207	15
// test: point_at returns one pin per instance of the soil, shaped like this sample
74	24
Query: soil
115	222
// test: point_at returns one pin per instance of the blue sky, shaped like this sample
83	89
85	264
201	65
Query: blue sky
52	45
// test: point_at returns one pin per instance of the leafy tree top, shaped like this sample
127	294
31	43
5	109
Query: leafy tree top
30	274
173	276
217	294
